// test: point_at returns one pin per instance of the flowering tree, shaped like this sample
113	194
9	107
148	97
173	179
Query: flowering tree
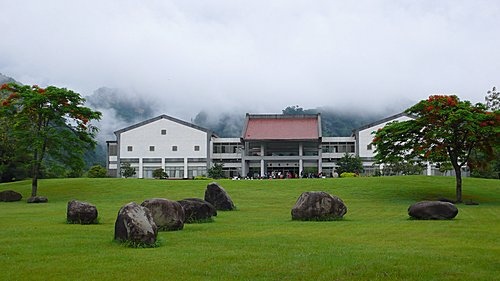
48	122
445	129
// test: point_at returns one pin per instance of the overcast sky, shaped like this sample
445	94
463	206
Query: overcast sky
256	56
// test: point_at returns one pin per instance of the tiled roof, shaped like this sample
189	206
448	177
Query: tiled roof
282	127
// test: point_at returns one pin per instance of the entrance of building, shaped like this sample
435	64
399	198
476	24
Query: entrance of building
283	172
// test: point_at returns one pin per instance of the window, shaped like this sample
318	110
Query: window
163	132
129	148
369	147
196	148
152	148
174	148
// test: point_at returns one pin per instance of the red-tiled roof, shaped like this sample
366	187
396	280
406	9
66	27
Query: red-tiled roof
282	127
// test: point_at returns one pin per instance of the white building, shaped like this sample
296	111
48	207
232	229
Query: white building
182	149
364	136
277	145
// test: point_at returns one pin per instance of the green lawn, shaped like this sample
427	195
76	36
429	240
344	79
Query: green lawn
259	241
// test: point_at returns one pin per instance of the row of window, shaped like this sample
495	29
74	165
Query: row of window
152	148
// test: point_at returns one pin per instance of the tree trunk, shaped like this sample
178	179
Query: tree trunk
34	179
458	178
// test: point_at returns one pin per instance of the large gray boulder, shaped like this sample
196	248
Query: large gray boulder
167	214
217	196
37	199
10	196
135	224
318	205
197	210
433	210
81	212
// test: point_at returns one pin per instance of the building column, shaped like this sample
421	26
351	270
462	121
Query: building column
140	168
301	161
320	160
185	168
429	169
262	167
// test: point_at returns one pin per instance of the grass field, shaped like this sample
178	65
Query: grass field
259	241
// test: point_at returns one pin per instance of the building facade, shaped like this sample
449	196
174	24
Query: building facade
271	145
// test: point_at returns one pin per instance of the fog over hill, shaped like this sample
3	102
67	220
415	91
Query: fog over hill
125	107
122	108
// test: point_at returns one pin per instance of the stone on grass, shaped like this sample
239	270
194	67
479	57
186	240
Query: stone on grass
318	205
81	212
10	196
432	210
167	214
135	225
37	199
197	210
217	196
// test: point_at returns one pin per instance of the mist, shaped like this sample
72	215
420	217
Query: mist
257	56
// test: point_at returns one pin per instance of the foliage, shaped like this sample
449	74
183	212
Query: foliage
444	129
348	175
160	174
51	124
493	99
127	170
402	168
202	178
216	171
97	171
349	163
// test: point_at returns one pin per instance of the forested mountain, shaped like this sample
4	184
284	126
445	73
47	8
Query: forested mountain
334	123
6	79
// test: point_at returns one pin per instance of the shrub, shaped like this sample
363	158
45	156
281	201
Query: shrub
348	175
216	171
97	171
160	174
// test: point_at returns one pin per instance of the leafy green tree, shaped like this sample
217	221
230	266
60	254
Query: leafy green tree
216	171
350	164
48	122
160	174
486	163
127	170
14	162
493	99
97	171
445	129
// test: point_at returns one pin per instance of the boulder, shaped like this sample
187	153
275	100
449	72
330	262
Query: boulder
432	210
37	199
197	210
81	212
10	196
217	196
135	224
318	205
167	214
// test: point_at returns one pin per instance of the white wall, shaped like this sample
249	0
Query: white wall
184	137
365	137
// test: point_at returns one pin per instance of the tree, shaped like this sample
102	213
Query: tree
49	123
216	171
127	170
493	99
444	129
97	171
160	174
350	164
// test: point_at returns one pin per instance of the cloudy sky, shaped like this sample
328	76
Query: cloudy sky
256	56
